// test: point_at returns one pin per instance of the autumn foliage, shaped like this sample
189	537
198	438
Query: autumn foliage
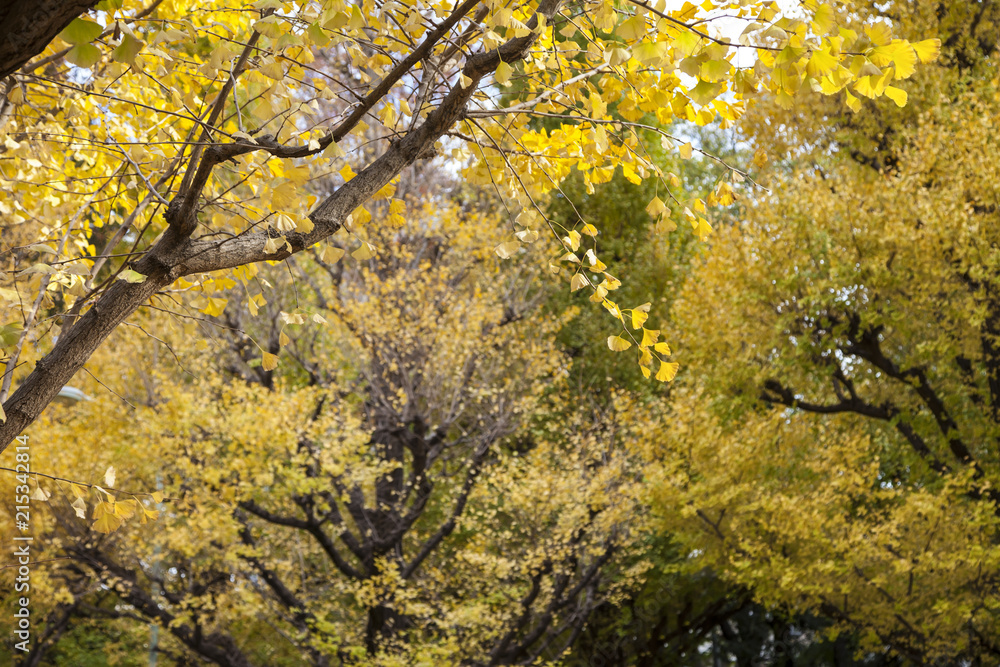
476	333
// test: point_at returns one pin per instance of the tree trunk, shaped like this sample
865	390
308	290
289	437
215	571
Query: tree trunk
27	27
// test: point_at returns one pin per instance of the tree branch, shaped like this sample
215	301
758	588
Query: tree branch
176	255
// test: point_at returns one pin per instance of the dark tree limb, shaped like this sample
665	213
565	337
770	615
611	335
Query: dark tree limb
310	527
176	255
867	345
215	646
775	392
28	26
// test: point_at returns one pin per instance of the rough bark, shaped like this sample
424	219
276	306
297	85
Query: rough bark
27	27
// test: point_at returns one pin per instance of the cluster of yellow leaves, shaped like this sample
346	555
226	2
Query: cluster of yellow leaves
636	70
405	332
799	511
96	140
841	510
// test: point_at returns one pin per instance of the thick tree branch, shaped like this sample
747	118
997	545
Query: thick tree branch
217	647
775	392
59	55
448	526
310	527
27	27
176	255
867	346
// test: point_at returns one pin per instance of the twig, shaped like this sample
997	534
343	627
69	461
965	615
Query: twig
8	375
89	486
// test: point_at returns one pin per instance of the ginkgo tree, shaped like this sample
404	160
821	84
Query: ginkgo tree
408	489
164	147
835	450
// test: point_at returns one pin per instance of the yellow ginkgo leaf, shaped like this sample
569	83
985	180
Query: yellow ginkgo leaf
612	308
879	33
618	344
656	207
927	50
105	520
80	507
269	361
821	63
272	244
649	337
632	29
897	95
357	18
124	509
667	372
364	252
702	229
823	19
502	75
331	254
507	249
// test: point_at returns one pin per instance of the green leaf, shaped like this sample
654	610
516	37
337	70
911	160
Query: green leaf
38	268
705	92
714	70
9	333
130	276
649	52
84	55
317	35
81	31
789	54
127	50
